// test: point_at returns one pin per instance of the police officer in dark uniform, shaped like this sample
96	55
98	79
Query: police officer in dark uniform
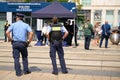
19	40
55	37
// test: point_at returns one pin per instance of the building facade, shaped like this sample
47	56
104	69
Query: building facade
97	11
100	11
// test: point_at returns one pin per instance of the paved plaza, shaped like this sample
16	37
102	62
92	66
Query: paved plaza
94	64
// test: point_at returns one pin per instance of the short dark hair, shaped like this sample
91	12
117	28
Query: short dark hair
54	19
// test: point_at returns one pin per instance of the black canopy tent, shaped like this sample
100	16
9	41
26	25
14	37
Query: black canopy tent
54	9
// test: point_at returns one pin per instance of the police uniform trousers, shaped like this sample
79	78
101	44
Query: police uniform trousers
19	47
56	46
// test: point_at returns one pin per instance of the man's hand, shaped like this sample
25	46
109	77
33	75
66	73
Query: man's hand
62	38
9	39
27	43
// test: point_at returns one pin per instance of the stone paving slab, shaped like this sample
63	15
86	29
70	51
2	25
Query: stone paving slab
45	55
95	64
49	76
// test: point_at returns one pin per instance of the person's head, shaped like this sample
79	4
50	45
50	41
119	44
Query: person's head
106	22
65	23
6	21
88	21
54	19
19	16
69	21
73	22
46	22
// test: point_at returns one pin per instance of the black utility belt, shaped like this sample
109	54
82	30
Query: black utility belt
56	40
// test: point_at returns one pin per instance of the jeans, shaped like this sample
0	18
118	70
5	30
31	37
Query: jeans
106	40
87	41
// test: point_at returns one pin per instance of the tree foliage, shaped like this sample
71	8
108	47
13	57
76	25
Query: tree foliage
27	0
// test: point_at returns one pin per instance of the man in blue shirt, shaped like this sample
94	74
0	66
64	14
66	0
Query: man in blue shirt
54	34
19	41
105	34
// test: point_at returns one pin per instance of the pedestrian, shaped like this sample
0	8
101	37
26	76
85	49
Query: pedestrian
88	30
119	28
68	38
44	30
5	29
71	33
20	31
75	30
105	34
65	42
55	37
96	33
119	31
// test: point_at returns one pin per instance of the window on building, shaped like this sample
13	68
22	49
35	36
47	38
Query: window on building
119	17
97	15
110	16
86	2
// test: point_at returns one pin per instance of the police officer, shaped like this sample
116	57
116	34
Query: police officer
20	31
55	37
5	29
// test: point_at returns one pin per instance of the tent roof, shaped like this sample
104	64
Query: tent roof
54	9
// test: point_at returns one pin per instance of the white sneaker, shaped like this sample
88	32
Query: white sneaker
46	45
